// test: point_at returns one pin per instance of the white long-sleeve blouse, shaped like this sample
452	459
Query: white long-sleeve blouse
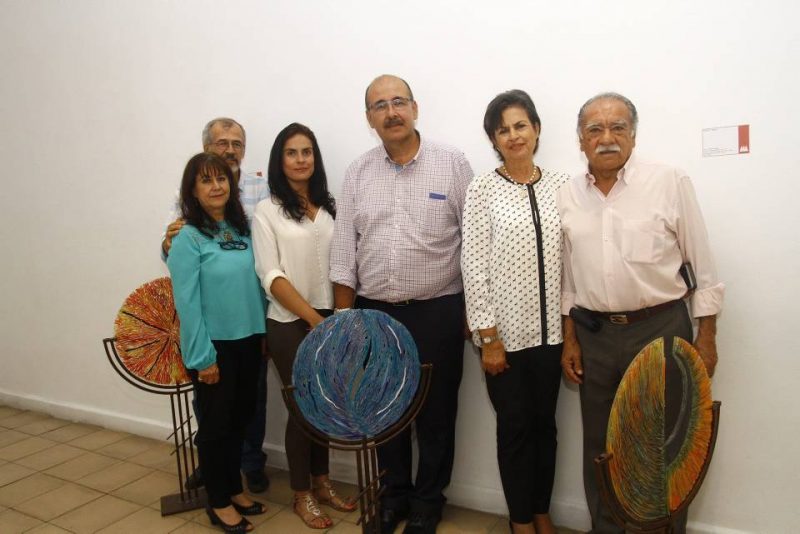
504	282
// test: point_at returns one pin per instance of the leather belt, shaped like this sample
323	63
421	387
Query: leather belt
634	316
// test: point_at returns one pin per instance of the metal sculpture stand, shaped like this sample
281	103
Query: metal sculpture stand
662	525
369	491
182	434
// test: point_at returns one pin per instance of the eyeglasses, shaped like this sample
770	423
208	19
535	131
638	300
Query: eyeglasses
232	245
398	102
222	144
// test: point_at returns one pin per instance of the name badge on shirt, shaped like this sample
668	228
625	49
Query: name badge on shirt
437	196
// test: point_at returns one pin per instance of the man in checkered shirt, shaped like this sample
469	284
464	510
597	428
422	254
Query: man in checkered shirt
396	248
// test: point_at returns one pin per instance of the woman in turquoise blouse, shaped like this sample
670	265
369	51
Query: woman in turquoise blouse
221	309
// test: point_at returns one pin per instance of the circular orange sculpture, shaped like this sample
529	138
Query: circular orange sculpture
147	335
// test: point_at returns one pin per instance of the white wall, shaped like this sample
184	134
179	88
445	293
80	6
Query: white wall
103	102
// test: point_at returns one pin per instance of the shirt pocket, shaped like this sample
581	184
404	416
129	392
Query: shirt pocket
642	241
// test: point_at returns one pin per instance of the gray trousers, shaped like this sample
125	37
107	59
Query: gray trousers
606	356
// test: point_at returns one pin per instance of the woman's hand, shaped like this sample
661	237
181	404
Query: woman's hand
314	320
209	375
493	358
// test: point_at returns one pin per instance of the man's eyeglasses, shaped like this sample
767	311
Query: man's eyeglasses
398	102
222	144
232	245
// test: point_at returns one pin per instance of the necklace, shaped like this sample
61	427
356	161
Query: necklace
537	173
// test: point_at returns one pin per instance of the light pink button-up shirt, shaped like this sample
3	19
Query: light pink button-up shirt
623	251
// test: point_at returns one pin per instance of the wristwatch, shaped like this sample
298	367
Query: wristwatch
488	339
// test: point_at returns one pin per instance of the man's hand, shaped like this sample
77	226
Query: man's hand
706	342
571	360
209	375
493	358
172	230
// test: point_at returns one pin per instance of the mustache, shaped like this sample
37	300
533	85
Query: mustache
604	149
397	121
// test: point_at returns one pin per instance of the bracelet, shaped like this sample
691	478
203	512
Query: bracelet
337	310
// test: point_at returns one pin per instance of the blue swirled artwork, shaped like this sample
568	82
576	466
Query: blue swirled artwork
355	374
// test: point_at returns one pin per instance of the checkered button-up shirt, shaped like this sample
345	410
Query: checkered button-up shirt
398	227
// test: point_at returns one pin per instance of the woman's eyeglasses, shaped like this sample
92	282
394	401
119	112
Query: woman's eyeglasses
232	245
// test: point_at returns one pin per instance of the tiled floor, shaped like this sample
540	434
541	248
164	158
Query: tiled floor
57	476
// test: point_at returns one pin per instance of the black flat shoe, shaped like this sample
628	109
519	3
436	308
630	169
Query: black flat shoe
256	508
242	526
390	518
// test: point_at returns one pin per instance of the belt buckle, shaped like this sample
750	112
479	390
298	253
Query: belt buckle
618	318
402	303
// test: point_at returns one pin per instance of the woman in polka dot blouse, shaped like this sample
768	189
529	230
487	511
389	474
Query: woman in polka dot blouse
511	264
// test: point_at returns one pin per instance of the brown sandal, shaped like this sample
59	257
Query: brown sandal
307	508
332	499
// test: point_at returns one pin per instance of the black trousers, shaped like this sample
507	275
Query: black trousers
524	397
606	356
227	408
437	326
306	458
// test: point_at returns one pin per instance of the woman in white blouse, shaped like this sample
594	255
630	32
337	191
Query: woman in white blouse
292	231
511	264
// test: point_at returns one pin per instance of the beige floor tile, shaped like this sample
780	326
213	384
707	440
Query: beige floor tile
345	527
70	432
279	490
40	427
25	447
28	488
7	437
456	520
148	489
114	476
127	447
58	501
10	472
13	522
22	418
95	515
48	528
156	456
7	411
144	521
99	439
81	466
195	528
53	456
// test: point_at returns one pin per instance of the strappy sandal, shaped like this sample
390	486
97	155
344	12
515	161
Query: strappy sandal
332	499
307	508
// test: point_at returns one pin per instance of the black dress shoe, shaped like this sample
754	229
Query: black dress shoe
195	480
239	528
257	481
256	508
390	518
422	523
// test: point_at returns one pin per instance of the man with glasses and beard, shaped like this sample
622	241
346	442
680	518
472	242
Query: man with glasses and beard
396	248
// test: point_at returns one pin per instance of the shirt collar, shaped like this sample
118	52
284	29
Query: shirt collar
414	159
625	174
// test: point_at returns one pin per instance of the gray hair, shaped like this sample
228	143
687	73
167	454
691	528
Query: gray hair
612	96
226	123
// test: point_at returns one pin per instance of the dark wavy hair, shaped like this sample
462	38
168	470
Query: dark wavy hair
209	164
515	98
279	186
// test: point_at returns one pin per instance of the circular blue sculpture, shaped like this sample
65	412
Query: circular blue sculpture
355	374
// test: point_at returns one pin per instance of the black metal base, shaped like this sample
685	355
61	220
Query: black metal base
183	502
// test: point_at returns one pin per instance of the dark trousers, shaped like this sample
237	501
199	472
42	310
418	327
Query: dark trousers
253	456
306	457
524	397
437	327
606	356
227	408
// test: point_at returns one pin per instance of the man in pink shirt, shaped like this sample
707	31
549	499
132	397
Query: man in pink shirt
628	228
